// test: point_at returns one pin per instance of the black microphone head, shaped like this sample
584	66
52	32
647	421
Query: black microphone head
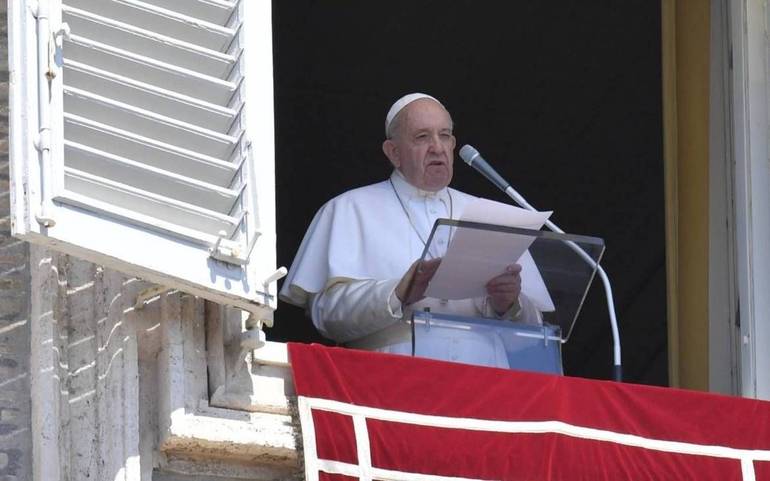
468	154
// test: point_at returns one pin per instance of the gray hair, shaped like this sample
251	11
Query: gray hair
393	126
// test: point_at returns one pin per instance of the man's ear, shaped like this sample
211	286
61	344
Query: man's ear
391	152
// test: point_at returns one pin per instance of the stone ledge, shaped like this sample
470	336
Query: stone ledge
213	433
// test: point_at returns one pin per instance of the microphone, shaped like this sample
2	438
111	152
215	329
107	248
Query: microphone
472	157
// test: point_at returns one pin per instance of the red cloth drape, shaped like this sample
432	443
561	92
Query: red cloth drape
412	385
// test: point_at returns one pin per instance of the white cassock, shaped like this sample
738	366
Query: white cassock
355	252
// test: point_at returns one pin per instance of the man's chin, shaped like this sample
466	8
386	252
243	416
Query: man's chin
437	182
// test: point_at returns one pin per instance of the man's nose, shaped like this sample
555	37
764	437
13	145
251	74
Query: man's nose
435	143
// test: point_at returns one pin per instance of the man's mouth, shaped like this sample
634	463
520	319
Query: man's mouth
433	163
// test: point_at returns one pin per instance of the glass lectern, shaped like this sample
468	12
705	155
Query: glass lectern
557	270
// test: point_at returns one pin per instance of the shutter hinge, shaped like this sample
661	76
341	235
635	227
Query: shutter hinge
54	38
56	43
226	251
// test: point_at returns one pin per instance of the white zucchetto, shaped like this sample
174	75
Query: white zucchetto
399	105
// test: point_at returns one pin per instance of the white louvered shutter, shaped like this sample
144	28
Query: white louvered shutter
161	156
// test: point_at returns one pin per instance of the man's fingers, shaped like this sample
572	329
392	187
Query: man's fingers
512	274
504	285
414	282
504	280
428	266
432	262
501	284
503	290
426	269
513	269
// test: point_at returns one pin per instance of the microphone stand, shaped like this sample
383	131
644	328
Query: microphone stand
617	369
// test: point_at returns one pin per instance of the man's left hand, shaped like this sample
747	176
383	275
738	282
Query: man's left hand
415	281
504	289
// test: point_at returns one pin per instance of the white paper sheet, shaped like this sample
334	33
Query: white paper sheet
475	256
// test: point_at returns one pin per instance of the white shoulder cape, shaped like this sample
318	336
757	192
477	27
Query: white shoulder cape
360	234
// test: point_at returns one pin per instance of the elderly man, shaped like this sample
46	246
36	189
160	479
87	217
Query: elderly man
358	257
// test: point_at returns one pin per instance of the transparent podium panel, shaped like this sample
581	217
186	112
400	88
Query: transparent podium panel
455	318
487	342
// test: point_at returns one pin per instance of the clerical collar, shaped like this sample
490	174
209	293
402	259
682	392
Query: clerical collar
408	192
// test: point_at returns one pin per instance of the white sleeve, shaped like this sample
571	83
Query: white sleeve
353	309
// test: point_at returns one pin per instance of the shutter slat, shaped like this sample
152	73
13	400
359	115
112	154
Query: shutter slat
157	46
140	67
175	23
124	137
122	214
157	154
148	178
214	11
146	203
150	97
148	124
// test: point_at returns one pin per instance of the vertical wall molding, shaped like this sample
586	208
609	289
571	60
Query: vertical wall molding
685	30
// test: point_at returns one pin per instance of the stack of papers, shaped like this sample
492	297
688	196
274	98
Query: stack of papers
475	256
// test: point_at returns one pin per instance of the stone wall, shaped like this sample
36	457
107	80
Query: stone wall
15	433
120	389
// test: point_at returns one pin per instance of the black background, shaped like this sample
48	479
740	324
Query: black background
564	97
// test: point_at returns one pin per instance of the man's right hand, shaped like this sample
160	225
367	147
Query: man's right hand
419	274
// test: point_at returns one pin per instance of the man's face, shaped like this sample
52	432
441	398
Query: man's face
422	147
